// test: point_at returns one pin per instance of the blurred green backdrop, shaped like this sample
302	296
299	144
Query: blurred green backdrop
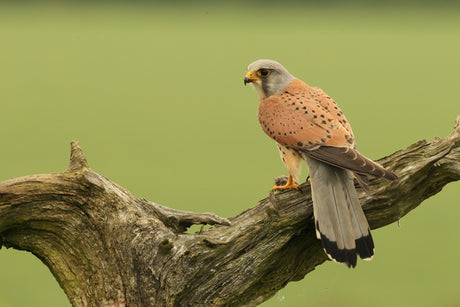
154	95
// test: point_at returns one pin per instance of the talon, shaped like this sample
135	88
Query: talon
290	184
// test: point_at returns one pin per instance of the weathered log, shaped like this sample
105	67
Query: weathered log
107	247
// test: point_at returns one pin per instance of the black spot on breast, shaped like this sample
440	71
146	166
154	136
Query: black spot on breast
349	138
323	122
300	144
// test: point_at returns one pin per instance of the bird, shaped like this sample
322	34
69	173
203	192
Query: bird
307	124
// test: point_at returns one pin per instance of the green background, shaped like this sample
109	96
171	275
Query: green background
154	94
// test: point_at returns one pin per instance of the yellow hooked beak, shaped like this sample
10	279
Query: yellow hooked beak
250	77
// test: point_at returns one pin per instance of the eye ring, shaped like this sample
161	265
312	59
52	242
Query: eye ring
263	72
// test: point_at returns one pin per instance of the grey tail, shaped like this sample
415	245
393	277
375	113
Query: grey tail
339	219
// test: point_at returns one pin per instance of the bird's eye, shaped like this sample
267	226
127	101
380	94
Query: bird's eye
263	72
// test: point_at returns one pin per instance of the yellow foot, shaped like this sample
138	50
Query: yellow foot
290	184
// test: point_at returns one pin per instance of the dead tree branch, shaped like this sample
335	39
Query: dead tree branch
107	247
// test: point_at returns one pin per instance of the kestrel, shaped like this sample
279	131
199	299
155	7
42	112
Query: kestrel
308	125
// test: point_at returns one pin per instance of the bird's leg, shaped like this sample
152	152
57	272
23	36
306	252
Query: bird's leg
290	184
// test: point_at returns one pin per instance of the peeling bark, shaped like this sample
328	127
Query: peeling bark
107	247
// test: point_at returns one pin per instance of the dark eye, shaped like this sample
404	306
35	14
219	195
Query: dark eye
263	72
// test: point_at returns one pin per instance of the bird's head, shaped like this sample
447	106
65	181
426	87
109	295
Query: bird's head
268	77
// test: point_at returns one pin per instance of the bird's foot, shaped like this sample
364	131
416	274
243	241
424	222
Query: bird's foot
290	184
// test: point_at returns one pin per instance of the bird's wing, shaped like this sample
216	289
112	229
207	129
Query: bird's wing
350	158
307	119
304	117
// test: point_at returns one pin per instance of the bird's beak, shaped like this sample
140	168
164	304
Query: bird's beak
250	77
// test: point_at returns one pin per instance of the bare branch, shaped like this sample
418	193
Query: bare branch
107	247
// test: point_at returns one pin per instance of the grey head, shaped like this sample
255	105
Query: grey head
268	77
